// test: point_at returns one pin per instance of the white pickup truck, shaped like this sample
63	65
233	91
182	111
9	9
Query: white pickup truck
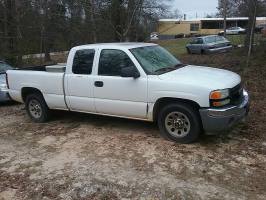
138	81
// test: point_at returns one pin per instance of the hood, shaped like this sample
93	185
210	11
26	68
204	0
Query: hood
207	77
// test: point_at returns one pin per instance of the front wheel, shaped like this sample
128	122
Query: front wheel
37	108
180	123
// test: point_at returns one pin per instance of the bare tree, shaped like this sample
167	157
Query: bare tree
225	3
92	19
42	26
253	6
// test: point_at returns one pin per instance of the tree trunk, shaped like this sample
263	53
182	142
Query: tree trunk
252	23
225	15
46	46
116	19
92	19
10	23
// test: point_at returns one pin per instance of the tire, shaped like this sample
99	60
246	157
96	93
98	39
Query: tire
37	108
186	117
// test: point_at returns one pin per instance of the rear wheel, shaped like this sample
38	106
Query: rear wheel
203	51
37	108
180	123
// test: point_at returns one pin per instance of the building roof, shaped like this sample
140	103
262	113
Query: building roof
209	19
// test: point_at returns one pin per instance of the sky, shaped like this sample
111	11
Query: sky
193	8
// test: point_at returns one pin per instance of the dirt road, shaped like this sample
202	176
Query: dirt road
78	156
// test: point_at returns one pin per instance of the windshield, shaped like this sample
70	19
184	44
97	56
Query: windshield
4	67
212	39
155	59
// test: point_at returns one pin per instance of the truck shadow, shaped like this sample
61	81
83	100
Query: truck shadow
146	128
107	122
9	104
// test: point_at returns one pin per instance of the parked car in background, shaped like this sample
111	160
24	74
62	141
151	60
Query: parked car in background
260	28
233	31
3	84
138	81
208	44
154	36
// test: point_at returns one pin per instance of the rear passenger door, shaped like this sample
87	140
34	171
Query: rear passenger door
79	85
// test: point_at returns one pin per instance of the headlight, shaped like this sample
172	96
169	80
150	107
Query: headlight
219	98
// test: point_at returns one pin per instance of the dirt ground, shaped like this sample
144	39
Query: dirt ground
80	156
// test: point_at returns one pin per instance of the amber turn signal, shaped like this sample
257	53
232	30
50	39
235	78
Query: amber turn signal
219	94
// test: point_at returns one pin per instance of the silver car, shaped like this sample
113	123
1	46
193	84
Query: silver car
208	44
3	85
233	31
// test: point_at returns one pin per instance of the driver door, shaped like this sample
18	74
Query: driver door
116	95
196	46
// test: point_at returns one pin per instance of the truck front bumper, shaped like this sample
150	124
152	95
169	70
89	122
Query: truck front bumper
218	120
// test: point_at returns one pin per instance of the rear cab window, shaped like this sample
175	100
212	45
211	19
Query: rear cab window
83	61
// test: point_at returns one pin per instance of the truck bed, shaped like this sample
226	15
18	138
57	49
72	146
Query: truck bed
58	68
50	84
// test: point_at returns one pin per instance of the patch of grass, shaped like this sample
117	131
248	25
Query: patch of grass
236	39
177	47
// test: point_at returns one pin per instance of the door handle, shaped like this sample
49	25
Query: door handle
98	83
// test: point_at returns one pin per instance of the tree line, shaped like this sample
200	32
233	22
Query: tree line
34	26
244	8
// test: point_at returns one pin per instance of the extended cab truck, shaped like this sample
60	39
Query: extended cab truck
138	81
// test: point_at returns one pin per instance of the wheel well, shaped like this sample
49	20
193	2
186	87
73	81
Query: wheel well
160	103
27	91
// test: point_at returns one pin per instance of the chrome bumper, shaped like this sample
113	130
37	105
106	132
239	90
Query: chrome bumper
216	120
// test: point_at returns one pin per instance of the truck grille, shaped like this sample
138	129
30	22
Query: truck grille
236	94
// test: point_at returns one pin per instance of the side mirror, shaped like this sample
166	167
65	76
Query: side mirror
130	71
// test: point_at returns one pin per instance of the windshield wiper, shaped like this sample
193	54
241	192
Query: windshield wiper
168	69
165	69
180	65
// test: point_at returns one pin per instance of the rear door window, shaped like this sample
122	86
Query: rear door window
83	61
197	41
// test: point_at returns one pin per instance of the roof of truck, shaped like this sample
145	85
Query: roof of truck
121	45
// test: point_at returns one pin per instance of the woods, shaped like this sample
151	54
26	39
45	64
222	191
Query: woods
34	26
243	8
44	26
